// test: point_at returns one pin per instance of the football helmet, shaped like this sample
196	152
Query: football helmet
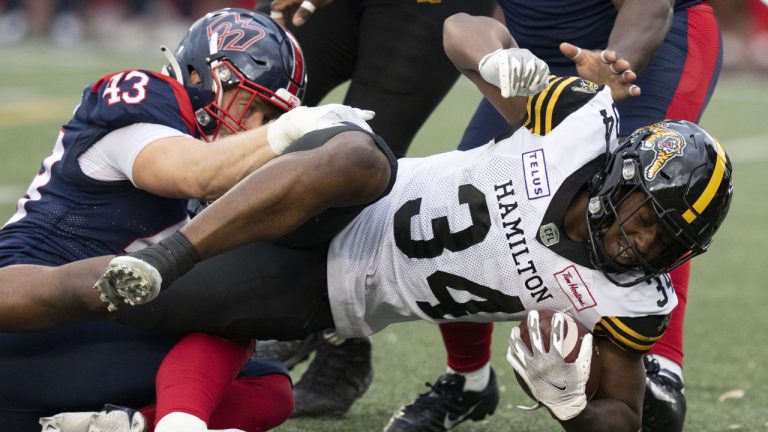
237	49
686	178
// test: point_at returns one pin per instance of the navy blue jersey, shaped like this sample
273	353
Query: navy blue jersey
540	26
66	215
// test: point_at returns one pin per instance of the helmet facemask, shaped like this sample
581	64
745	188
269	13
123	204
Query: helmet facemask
222	113
669	251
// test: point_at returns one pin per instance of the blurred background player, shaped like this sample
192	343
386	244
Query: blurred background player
674	48
117	180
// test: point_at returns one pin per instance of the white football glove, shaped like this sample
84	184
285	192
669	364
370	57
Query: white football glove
516	71
559	385
299	121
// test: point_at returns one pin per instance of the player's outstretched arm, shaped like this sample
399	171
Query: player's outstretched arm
342	168
639	30
484	51
184	167
618	404
347	170
36	297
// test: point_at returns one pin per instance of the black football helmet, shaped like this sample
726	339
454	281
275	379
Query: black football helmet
241	49
686	178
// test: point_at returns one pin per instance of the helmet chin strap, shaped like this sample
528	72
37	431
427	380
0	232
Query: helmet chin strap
175	68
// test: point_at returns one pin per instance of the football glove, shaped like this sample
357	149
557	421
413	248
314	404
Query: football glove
299	121
558	385
516	71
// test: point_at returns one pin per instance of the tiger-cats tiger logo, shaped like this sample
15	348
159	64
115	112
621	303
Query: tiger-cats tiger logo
666	143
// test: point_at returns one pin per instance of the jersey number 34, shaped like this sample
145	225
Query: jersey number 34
494	301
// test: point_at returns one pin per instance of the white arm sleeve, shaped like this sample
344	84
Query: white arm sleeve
111	158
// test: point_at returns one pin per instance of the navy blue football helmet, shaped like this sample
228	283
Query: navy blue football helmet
237	49
686	179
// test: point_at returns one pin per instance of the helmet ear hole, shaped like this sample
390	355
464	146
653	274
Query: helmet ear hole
194	77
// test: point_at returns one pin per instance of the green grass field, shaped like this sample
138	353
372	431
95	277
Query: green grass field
726	343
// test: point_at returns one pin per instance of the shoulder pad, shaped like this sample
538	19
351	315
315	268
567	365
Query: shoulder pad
563	96
137	96
636	334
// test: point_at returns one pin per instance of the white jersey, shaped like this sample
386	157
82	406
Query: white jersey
477	235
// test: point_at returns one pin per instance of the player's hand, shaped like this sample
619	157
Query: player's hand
299	121
298	11
515	71
604	67
553	382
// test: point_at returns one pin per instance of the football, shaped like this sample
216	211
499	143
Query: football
574	333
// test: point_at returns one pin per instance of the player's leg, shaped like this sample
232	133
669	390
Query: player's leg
467	391
329	43
194	377
679	81
77	367
38	297
402	71
259	290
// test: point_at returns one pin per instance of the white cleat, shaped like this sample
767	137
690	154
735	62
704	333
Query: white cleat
67	422
118	419
128	280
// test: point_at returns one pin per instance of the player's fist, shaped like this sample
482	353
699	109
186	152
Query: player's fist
515	71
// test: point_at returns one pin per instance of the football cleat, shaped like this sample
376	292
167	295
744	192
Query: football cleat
128	280
336	378
664	403
112	418
445	406
67	422
290	353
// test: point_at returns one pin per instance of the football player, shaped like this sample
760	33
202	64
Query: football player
391	53
117	180
675	52
557	214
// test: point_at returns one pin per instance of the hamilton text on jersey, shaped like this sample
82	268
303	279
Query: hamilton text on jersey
511	221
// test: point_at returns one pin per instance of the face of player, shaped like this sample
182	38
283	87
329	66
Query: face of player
247	109
636	230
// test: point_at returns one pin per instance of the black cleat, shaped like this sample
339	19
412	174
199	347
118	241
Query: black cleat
290	353
336	378
446	406
664	404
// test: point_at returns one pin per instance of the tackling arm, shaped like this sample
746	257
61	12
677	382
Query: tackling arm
183	167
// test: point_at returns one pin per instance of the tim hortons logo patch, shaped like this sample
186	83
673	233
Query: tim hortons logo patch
535	169
575	288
